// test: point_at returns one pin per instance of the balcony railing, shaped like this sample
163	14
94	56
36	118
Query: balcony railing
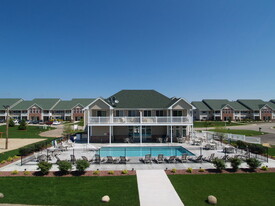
139	120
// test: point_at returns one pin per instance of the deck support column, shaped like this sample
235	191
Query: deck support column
88	134
110	134
140	134
171	133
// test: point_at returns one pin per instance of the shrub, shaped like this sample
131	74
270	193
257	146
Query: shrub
111	172
10	159
264	168
24	151
219	164
16	157
27	172
11	123
14	172
82	165
44	167
235	163
253	163
3	161
257	149
23	125
174	170
189	170
64	166
241	144
201	170
97	172
124	172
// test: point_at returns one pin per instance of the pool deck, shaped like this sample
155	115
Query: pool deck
134	164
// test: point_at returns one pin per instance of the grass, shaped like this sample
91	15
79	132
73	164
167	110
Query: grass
230	189
6	155
241	132
205	124
69	190
31	132
271	151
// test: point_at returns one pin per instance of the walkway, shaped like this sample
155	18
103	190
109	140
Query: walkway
56	132
155	188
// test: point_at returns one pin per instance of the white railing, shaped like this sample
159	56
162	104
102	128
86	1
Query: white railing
139	120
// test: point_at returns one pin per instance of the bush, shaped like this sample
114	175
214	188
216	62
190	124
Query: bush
201	170
174	170
24	151
64	166
14	172
44	167
241	144
16	157
10	159
23	125
11	123
3	161
219	164
189	170
27	172
257	149
124	172
264	168
82	165
235	163
97	172
111	172
253	163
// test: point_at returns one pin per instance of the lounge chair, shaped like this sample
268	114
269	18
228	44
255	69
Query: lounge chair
183	158
57	159
225	158
146	159
111	160
42	158
210	158
159	159
197	159
85	158
171	159
73	159
123	160
97	159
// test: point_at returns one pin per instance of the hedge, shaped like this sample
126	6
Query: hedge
35	147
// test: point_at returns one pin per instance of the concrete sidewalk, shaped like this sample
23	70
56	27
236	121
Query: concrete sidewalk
155	189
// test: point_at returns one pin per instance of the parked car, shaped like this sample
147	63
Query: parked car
49	123
56	123
2	121
15	121
35	122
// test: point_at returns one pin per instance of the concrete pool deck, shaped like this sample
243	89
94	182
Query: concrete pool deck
80	150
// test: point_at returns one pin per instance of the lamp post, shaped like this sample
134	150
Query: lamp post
7	107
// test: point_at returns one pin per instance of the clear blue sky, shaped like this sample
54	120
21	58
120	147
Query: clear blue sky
192	49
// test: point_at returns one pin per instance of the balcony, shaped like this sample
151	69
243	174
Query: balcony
139	120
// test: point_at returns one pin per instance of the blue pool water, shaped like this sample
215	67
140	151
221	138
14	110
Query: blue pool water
142	151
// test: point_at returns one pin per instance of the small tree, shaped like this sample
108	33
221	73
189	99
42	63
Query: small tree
64	166
253	163
82	165
44	167
235	163
67	131
11	123
23	125
219	164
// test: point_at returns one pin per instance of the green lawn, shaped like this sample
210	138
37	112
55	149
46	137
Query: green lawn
230	189
70	190
242	132
205	124
31	132
271	151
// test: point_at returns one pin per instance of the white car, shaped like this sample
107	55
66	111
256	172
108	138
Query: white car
56	123
15	121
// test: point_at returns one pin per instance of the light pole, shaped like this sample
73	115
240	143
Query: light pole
7	107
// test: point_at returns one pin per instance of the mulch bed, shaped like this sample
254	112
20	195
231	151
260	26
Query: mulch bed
214	171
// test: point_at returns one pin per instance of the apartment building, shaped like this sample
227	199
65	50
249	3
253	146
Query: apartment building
201	112
11	102
138	115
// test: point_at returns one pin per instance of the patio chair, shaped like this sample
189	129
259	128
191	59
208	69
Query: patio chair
146	159
197	159
207	147
57	159
171	159
159	159
97	159
225	158
210	158
42	158
111	160
73	159
123	160
183	158
85	158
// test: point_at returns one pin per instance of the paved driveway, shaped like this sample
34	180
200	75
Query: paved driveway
57	132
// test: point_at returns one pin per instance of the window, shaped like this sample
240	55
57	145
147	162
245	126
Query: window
159	113
133	113
177	113
119	113
147	113
101	113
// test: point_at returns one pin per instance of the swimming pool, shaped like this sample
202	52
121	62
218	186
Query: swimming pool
142	151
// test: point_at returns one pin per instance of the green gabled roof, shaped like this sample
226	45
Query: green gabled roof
46	104
141	99
70	104
24	105
216	104
8	101
272	100
237	106
200	106
252	104
271	105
